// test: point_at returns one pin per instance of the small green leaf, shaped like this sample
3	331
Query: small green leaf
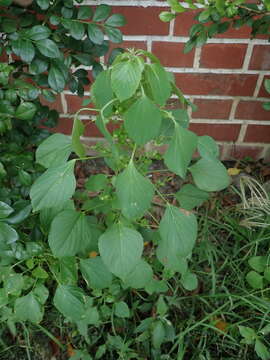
143	120
5	210
28	308
54	151
121	310
267	85
95	34
258	263
116	20
180	150
8	235
120	249
158	334
54	187
261	350
70	233
43	4
189	196
77	30
210	175
95	273
254	279
70	301
166	16
48	48
77	132
247	333
38	32
134	191
102	12
126	77
56	79
97	182
25	111
85	12
113	34
189	281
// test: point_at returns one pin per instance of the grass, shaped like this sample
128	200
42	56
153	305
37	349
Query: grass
203	324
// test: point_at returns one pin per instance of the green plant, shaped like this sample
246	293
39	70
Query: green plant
217	16
119	219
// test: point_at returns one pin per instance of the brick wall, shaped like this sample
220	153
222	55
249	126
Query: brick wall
224	78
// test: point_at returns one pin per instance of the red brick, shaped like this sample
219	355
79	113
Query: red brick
74	103
231	33
64	126
171	54
251	110
263	92
217	84
260	59
241	151
226	56
258	133
220	132
56	105
212	109
142	21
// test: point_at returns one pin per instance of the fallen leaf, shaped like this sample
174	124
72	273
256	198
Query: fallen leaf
233	171
93	254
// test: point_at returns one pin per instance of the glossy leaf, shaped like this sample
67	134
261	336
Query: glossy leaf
95	34
120	249
116	20
102	12
56	79
25	111
54	187
5	210
48	48
38	32
8	235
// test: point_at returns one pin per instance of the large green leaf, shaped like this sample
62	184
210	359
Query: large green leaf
120	249
190	196
113	34
143	120
70	301
54	187
126	77
48	48
178	231
28	308
70	233
116	20
180	150
25	111
54	150
77	132
95	273
47	215
134	192
24	48
139	276
210	175
158	82
102	12
56	79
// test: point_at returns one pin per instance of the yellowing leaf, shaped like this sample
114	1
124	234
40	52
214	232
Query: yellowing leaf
233	171
92	254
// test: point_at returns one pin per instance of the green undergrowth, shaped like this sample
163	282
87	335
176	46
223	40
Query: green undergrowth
225	317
